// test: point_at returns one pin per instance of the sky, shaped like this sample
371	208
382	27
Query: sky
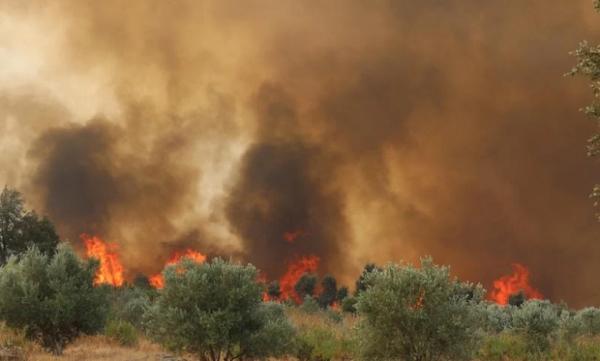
375	131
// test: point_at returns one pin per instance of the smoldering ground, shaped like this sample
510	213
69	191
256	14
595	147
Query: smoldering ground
381	130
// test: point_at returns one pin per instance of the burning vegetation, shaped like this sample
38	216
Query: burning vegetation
513	284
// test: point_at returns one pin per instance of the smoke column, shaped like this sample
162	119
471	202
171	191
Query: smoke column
371	131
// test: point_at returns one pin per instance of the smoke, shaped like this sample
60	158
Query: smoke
371	131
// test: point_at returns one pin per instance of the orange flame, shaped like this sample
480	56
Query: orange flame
295	270
110	271
291	237
157	281
516	282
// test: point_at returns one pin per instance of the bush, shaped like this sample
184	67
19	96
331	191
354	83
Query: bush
328	291
215	310
413	313
306	285
501	347
122	331
349	304
498	318
321	343
588	321
52	299
537	322
309	305
276	337
130	304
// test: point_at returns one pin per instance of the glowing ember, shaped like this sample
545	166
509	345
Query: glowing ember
110	271
508	285
290	237
295	270
157	281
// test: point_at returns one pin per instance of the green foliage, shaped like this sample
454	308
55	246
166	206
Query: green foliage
588	65
130	304
421	314
537	322
349	304
123	332
361	283
517	299
274	290
501	347
21	229
52	300
306	285
142	282
277	335
342	293
588	321
328	291
497	318
309	305
214	310
321	343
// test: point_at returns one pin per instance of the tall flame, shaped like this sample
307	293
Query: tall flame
516	282
296	269
157	281
111	270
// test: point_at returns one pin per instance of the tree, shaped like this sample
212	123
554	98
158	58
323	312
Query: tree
361	284
328	291
588	65
537	321
342	293
52	299
274	290
418	314
306	285
21	229
517	299
215	310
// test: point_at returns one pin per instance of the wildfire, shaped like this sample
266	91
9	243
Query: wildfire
308	264
290	237
516	282
157	281
110	271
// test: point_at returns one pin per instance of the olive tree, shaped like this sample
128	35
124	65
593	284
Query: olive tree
537	321
52	299
418	314
21	229
215	311
588	65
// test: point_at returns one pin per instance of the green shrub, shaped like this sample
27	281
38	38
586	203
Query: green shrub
537	322
349	304
588	321
122	331
497	318
309	305
215	310
130	304
276	337
320	343
503	346
52	299
421	313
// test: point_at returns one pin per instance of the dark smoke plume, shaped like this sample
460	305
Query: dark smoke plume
370	131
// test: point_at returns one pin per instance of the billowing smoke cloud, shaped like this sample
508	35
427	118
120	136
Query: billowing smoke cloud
370	131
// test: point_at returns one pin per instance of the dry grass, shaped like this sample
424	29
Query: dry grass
92	348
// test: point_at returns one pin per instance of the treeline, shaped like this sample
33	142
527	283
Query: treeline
216	310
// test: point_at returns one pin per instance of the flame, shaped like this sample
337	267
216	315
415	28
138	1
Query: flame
111	270
516	282
296	269
290	237
157	281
